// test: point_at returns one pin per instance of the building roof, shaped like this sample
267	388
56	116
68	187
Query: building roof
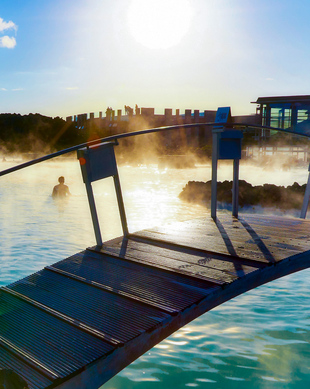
283	99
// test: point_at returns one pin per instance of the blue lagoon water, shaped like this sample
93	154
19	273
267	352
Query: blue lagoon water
257	340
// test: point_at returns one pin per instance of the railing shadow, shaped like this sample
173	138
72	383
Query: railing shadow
230	247
258	241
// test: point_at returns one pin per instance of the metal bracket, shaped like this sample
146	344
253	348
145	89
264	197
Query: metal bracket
305	203
98	162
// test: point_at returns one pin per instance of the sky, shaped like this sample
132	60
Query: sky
65	57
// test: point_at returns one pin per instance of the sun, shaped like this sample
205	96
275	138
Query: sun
159	24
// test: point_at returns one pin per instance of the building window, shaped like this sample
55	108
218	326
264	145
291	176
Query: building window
286	118
264	116
280	117
302	114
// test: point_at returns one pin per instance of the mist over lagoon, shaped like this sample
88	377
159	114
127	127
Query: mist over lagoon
31	220
238	344
64	65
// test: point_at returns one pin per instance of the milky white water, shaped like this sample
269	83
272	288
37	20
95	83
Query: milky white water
258	340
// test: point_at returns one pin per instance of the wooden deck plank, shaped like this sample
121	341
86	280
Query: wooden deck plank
219	245
274	239
33	331
257	221
260	225
207	265
247	236
35	379
212	275
77	323
134	282
298	241
239	238
93	309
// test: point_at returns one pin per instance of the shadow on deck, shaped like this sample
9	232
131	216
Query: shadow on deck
77	323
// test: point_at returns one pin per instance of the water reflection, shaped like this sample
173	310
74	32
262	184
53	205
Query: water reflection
36	231
258	340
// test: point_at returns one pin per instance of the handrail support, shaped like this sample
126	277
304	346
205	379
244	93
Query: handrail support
98	162
305	203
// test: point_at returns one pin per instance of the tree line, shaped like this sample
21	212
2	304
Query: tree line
39	133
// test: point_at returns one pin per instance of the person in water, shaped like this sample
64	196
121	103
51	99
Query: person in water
61	190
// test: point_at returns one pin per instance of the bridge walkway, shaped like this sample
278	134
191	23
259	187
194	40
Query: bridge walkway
78	322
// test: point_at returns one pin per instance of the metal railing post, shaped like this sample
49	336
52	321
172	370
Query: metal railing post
93	212
235	188
305	203
214	174
120	204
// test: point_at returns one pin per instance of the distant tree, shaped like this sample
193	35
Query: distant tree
35	132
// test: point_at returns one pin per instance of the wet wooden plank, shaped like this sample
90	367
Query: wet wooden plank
249	235
237	238
300	238
206	265
88	316
274	237
189	268
130	280
121	358
219	244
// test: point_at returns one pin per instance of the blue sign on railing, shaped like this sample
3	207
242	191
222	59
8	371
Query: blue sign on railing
229	144
228	140
223	115
97	161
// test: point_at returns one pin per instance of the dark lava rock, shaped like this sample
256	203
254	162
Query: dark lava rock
267	195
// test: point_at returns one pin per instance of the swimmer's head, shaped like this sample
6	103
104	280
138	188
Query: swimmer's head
61	180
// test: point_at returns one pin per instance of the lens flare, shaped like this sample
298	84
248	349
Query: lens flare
159	24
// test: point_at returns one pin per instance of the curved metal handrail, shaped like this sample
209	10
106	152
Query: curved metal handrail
140	132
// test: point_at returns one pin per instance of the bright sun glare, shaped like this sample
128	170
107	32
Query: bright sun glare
159	24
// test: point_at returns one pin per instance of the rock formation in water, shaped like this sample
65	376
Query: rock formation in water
267	195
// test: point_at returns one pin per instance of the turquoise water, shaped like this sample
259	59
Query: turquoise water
257	340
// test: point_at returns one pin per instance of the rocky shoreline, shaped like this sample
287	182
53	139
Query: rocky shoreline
267	195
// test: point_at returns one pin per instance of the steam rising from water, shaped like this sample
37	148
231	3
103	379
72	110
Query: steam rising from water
259	340
36	231
261	173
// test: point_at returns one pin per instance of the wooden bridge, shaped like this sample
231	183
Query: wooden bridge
78	322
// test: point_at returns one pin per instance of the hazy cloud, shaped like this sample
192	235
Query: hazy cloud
72	88
11	90
7	25
7	41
